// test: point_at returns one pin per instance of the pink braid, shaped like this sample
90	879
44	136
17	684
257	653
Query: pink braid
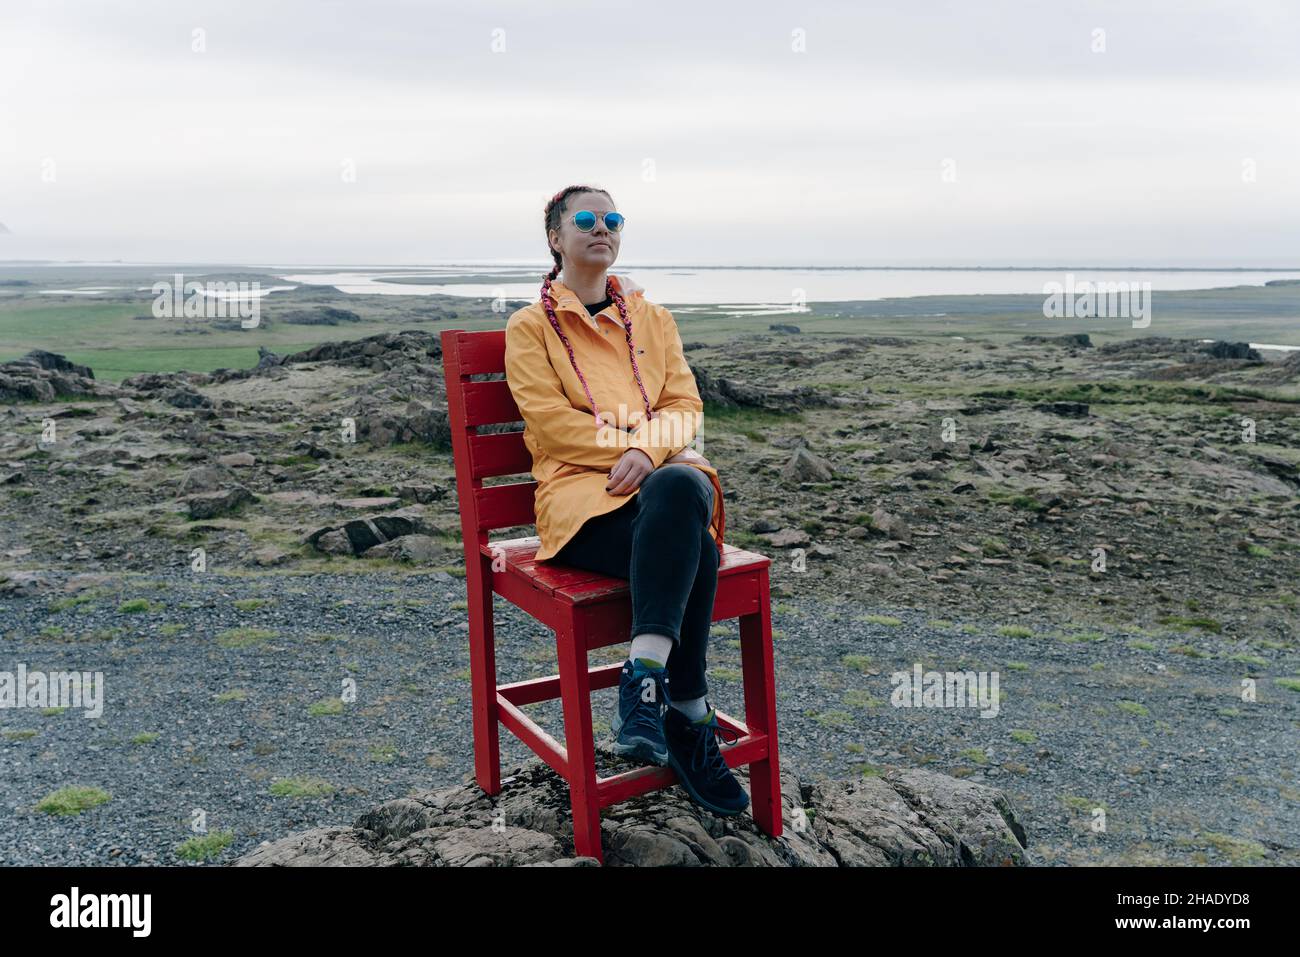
614	294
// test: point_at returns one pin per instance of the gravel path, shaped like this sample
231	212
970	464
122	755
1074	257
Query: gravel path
200	718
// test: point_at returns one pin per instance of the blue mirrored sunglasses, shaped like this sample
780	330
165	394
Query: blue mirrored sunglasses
585	220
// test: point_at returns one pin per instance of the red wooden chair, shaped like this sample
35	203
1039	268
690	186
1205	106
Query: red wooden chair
584	609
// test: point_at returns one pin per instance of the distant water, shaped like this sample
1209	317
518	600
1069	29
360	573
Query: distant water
81	291
771	290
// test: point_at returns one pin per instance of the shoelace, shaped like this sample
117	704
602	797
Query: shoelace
707	755
644	713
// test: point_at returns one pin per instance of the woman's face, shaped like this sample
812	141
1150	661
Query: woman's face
592	250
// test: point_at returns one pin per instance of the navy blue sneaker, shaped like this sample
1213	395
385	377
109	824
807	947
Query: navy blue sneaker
638	728
694	754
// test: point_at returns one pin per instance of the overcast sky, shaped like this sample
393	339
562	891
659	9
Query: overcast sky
753	132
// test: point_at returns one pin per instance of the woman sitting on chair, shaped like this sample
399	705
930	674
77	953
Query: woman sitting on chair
610	408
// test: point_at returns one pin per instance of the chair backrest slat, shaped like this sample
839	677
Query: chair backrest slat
487	403
505	506
480	353
499	453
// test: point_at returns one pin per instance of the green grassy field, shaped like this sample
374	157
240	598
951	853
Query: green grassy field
104	333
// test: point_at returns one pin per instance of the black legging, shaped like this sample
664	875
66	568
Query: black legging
659	540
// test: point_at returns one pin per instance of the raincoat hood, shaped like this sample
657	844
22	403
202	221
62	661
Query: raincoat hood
565	300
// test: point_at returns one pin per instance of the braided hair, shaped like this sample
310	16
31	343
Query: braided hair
555	211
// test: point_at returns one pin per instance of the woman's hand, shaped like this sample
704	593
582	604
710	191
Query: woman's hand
688	456
629	473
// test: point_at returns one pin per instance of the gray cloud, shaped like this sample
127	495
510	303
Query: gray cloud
759	154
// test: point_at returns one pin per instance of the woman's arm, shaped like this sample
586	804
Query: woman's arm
567	434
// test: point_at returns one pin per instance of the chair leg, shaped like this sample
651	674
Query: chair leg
575	693
483	680
760	710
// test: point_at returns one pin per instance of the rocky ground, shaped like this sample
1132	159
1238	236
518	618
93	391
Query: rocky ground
1113	527
906	818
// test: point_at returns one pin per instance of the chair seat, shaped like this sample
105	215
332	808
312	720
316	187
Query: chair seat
578	586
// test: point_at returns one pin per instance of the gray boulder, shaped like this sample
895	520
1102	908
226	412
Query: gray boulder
186	398
889	524
789	538
57	363
911	818
204	478
362	534
734	394
1073	410
382	427
207	505
1071	340
1232	350
319	316
805	466
413	550
24	582
42	376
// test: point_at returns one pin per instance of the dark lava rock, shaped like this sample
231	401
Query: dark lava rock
1073	410
902	818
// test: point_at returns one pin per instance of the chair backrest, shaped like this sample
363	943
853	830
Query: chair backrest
472	403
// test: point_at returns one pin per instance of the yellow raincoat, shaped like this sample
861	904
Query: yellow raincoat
570	463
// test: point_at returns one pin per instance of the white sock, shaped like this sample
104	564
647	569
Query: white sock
693	708
655	647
